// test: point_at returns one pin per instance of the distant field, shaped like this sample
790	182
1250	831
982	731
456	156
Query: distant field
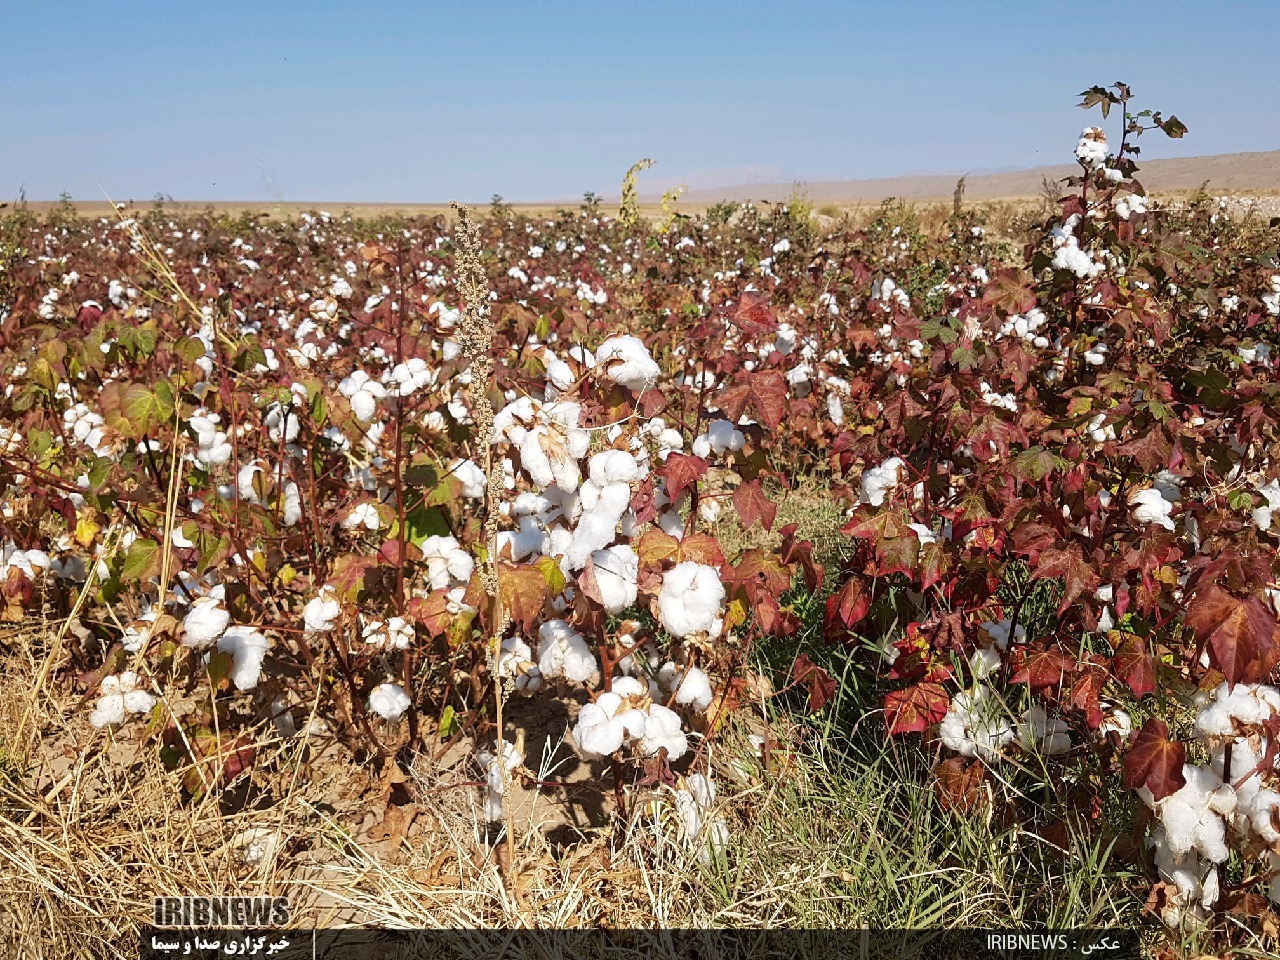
1255	174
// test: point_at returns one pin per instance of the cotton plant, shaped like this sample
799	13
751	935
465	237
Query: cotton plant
1218	811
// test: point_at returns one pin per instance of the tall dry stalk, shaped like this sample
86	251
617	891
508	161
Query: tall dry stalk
476	340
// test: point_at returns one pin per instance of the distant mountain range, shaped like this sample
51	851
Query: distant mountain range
1225	172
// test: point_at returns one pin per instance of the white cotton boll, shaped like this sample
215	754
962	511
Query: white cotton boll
447	563
320	612
291	504
396	633
516	660
690	599
473	479
562	652
615	466
630	686
364	405
998	631
244	481
247	647
496	774
720	436
118	697
1117	720
204	623
617	570
984	662
1148	506
694	689
1262	516
362	515
626	360
599	732
389	701
109	709
976	725
878	482
663	729
1042	734
522	543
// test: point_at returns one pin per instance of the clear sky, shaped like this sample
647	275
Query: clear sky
431	101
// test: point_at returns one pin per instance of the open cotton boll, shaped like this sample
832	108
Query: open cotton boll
389	701
663	729
118	697
321	610
720	436
516	660
522	543
878	482
998	632
473	479
395	633
690	599
496	774
691	685
247	648
447	563
605	725
694	800
1042	734
617	570
1245	704
1190	816
976	724
204	623
362	515
626	360
603	508
562	652
1149	506
363	392
615	466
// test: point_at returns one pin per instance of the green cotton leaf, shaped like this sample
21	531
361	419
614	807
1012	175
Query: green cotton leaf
1240	500
421	522
939	330
449	723
190	349
220	664
141	561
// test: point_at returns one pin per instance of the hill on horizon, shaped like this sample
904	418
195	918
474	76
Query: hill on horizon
1229	171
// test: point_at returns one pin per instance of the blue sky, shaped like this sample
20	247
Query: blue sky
432	101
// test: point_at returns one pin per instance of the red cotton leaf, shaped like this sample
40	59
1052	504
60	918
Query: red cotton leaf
1009	291
1240	633
849	605
958	785
751	314
752	505
1071	565
1135	665
1045	668
801	550
820	684
764	392
680	472
914	708
1155	762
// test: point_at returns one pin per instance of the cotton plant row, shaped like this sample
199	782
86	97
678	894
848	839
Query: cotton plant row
1070	503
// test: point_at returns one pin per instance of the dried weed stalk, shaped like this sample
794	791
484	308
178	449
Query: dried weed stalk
476	340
